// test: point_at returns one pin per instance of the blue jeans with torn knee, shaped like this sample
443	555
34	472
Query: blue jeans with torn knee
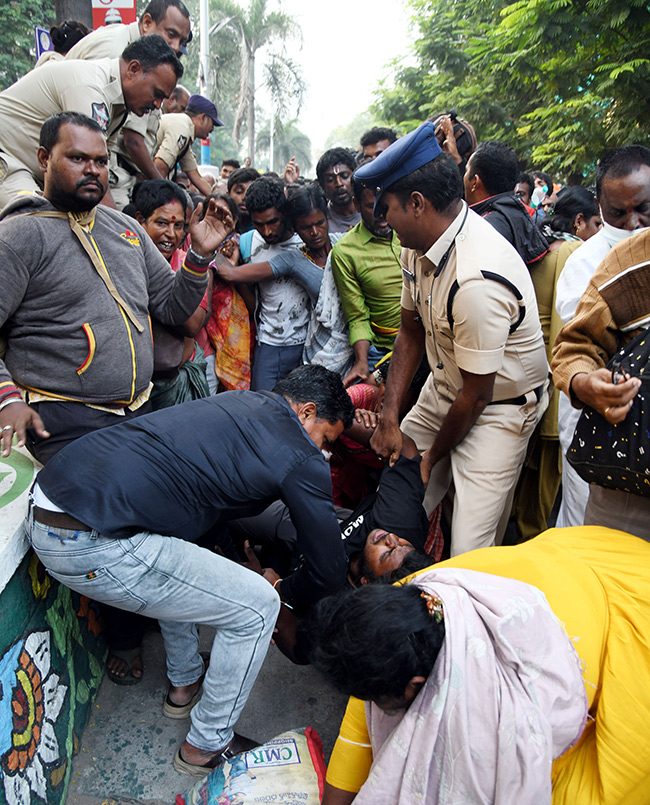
182	585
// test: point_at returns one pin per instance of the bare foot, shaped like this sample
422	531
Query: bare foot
184	694
120	667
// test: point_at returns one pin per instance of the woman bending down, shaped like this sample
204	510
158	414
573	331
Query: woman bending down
505	675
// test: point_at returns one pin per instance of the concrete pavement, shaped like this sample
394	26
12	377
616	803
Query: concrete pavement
126	752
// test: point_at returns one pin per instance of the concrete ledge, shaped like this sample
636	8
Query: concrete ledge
17	472
51	657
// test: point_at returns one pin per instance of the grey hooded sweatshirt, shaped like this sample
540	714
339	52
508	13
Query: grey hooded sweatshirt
66	334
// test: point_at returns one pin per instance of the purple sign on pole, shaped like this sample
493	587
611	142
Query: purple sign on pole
43	40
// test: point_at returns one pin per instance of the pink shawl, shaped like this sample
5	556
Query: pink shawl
504	699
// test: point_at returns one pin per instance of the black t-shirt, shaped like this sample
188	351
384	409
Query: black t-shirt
396	506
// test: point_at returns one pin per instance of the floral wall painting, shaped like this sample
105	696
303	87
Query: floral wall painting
31	698
51	666
51	657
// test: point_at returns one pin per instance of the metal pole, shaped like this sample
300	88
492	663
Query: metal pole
272	135
204	68
204	55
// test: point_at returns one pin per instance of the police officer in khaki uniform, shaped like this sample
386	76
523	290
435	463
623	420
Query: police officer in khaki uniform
132	154
105	90
467	300
167	18
176	135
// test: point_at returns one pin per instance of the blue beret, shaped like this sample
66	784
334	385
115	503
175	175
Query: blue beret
200	105
404	156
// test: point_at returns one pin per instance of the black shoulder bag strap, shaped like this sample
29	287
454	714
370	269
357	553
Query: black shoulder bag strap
489	275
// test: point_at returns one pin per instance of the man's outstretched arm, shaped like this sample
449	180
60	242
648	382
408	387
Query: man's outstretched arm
407	356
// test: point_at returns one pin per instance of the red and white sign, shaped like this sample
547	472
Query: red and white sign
106	12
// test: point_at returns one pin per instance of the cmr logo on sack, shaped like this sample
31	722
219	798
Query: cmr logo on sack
275	753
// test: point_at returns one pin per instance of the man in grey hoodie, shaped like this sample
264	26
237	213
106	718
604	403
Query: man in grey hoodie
79	282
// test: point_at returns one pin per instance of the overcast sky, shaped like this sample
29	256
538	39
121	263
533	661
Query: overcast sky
346	47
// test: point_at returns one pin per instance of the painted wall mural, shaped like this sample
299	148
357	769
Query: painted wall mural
51	665
51	657
32	697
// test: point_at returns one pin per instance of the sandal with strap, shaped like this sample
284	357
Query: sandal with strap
128	656
238	745
178	711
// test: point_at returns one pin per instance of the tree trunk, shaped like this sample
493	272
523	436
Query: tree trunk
74	10
250	122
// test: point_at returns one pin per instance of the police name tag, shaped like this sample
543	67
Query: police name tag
408	274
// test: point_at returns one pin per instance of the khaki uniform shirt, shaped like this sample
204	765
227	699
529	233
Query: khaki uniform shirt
174	142
147	126
93	88
106	42
483	310
49	55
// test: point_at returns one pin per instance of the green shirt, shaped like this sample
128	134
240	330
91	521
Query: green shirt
368	275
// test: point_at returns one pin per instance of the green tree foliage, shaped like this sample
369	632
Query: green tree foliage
17	45
349	135
288	141
561	80
223	80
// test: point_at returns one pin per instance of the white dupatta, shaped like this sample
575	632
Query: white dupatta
504	699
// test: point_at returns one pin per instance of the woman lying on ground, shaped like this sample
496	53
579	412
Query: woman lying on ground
505	675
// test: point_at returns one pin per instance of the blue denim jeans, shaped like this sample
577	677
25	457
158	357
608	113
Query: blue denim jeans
182	585
271	363
375	354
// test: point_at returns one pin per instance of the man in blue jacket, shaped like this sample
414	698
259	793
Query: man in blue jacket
117	511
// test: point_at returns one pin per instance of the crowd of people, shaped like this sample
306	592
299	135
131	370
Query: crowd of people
257	398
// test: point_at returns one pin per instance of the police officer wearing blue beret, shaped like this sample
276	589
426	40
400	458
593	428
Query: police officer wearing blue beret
468	300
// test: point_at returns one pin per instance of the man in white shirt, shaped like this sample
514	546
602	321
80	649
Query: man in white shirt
283	305
623	191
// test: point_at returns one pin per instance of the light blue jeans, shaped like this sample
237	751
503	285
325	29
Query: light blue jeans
181	584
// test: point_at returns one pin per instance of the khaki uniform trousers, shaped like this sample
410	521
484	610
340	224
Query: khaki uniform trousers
15	178
121	184
484	467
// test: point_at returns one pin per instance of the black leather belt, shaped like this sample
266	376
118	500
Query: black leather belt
59	520
521	399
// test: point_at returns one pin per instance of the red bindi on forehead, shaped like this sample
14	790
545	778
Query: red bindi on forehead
173	218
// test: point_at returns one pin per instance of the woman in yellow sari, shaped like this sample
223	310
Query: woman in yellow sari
499	715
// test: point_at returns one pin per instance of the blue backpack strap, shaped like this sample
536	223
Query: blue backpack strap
489	275
246	245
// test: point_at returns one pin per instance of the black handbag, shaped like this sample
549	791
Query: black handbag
618	456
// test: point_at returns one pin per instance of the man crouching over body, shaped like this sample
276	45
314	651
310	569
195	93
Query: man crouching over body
116	512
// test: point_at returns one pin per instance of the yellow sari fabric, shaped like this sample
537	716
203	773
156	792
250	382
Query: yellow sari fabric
597	581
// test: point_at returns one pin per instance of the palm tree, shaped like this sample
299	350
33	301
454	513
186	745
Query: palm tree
256	28
288	141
